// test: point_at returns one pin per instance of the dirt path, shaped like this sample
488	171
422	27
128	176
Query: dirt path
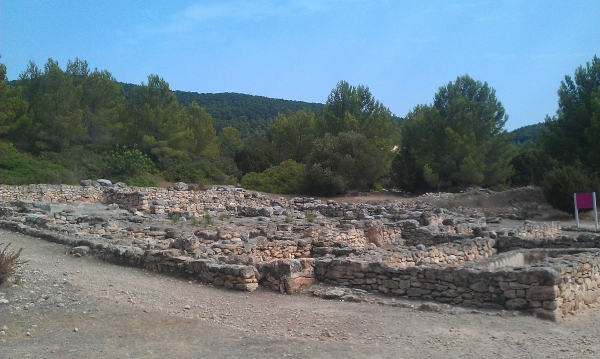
84	308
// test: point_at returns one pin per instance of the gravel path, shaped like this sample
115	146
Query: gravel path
67	307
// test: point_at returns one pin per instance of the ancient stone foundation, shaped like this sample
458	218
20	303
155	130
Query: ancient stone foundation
240	240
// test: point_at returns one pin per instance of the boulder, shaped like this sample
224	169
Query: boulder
104	182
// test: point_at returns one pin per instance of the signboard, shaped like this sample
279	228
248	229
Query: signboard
585	201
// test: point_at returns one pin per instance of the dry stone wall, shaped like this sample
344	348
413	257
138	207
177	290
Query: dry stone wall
405	249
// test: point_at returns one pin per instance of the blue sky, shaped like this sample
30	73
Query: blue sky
298	50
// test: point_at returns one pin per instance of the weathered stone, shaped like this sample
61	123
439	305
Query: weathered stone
414	292
480	287
391	284
247	287
517	303
540	292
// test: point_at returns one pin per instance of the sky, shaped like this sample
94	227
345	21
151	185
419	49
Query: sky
403	50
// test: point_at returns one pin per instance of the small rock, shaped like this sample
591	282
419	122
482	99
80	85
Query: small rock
81	250
186	307
104	182
76	329
430	307
3	301
421	247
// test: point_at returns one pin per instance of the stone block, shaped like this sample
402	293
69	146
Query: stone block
413	292
391	284
404	284
480	287
517	303
247	287
543	292
292	285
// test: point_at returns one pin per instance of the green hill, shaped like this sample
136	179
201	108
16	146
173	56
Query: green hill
248	113
528	134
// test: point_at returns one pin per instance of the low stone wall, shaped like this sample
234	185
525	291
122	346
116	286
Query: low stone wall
551	292
506	243
173	261
52	193
287	276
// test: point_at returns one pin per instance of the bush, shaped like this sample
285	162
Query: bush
322	181
530	165
142	180
560	184
339	163
277	179
18	168
9	262
128	162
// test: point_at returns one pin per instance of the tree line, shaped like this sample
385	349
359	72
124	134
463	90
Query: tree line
64	125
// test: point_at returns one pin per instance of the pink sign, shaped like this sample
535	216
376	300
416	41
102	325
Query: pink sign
585	200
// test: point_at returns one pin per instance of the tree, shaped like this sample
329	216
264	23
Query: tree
560	183
292	134
249	159
203	135
231	141
350	108
573	134
155	113
103	105
54	104
339	163
456	142
14	117
531	166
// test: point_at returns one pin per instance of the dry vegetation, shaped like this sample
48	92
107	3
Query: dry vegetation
9	262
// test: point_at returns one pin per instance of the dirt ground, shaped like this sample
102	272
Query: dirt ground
62	306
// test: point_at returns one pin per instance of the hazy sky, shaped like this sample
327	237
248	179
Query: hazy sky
298	50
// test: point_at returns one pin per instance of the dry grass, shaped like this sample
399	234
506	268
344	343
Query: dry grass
9	262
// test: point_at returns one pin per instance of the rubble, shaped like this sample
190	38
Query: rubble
237	239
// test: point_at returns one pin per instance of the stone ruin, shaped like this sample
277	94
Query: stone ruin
238	239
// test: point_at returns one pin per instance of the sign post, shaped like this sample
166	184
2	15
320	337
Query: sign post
585	201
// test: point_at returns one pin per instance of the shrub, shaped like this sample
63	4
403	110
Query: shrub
128	162
207	219
560	184
277	179
310	218
339	163
19	168
142	180
9	262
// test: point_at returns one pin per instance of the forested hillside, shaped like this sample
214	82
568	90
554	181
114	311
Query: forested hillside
61	125
248	114
528	135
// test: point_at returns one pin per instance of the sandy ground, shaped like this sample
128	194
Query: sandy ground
67	307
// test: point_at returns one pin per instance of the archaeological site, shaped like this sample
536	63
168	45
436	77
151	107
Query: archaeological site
240	240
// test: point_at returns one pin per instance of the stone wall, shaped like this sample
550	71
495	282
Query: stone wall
52	193
509	243
551	292
172	260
